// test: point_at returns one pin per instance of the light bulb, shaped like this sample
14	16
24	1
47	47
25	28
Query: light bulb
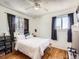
36	8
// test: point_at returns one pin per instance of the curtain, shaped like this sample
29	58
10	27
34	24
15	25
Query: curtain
26	26
19	25
11	23
71	18
54	31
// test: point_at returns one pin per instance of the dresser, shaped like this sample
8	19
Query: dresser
5	45
8	44
2	46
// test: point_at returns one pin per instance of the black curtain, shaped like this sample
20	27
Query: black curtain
54	31
71	18
26	26
11	23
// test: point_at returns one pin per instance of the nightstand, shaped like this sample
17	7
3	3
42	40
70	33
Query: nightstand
5	45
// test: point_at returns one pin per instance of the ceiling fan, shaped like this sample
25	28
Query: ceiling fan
36	5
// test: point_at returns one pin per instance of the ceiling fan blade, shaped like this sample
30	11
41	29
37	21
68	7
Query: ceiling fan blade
35	1
29	7
30	2
44	8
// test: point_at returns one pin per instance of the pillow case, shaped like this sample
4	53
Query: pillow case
29	36
20	37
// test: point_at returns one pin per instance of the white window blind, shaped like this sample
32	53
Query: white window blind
19	25
62	22
65	22
58	23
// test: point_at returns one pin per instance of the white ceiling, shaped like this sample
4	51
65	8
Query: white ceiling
52	5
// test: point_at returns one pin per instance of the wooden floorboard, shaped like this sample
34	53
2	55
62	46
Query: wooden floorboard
55	53
49	53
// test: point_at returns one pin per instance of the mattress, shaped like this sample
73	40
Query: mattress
33	47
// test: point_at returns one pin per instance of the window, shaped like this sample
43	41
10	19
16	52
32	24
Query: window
19	25
58	23
65	22
62	22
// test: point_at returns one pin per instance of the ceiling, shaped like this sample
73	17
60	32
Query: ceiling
51	5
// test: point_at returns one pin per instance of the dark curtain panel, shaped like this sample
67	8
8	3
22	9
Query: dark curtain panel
54	31
11	23
71	17
26	26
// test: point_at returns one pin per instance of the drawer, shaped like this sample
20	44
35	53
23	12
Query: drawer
8	46
2	48
1	38
7	43
8	51
1	43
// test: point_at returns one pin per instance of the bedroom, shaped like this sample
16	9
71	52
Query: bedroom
39	20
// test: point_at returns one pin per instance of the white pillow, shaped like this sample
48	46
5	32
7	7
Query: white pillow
29	36
20	37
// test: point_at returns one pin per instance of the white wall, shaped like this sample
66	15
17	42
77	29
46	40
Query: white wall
3	19
43	26
32	25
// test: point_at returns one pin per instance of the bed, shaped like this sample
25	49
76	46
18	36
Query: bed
33	47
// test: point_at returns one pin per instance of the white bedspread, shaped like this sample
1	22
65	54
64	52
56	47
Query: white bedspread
33	47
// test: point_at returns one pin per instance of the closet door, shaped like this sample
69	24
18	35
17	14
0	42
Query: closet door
75	38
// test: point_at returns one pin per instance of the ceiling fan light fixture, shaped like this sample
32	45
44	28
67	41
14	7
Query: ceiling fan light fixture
36	8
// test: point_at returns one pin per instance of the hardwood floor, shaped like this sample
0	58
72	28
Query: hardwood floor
50	53
55	53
